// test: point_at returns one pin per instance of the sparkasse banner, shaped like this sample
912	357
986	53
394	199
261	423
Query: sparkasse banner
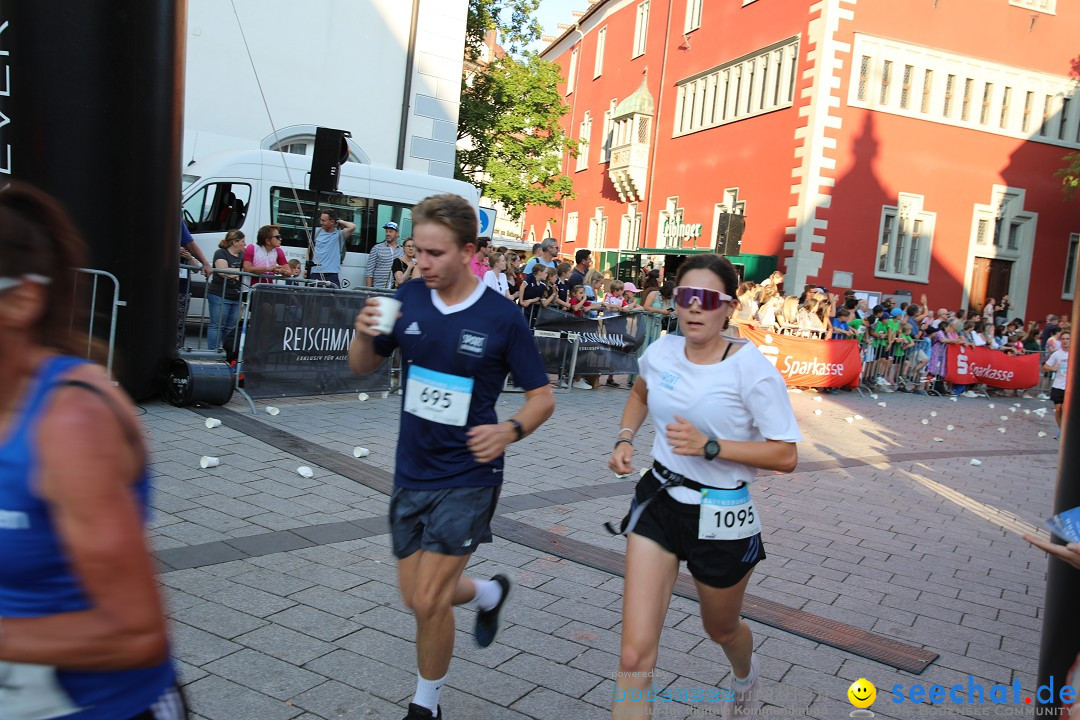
970	365
808	363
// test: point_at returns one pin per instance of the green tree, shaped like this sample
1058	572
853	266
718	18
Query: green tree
1070	175
512	143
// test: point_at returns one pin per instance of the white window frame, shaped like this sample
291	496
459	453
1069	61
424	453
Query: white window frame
754	84
641	30
672	212
572	71
571	228
693	15
608	137
630	228
1044	6
598	230
999	99
601	43
906	215
1068	292
584	138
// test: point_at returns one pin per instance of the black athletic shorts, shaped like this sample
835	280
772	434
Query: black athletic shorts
1057	396
674	526
452	521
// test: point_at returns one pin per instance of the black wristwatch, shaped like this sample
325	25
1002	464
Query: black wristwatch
517	428
712	449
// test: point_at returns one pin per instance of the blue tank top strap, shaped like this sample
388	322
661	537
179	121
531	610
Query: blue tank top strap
43	383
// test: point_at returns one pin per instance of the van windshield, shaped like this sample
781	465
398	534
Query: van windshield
293	208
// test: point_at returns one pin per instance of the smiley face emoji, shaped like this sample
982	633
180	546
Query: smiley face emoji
862	693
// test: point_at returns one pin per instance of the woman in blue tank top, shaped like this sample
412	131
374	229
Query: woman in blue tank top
82	631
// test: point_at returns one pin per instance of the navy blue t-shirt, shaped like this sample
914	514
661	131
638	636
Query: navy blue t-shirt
455	360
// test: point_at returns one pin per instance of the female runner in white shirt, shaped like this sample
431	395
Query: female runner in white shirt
721	411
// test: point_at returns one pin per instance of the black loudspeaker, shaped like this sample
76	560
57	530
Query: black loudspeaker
330	151
198	380
729	232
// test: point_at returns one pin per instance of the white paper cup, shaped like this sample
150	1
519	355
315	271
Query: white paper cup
208	462
362	397
388	312
360	452
212	423
305	471
271	410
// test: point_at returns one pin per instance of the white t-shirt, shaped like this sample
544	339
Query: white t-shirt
742	398
1060	358
498	283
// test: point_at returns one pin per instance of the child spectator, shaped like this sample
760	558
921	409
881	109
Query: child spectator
295	265
630	292
841	329
615	298
562	286
578	300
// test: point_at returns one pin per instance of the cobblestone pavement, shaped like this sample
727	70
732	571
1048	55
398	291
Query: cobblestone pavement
282	592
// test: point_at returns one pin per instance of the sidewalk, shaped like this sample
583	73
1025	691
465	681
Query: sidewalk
282	589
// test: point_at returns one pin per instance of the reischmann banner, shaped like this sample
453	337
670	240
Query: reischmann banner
297	343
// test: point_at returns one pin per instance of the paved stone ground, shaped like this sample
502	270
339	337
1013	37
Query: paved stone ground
282	589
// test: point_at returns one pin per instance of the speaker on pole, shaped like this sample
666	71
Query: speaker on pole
330	151
729	232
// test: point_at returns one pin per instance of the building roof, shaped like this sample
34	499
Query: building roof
640	101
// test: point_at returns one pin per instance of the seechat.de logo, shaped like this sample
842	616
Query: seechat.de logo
862	694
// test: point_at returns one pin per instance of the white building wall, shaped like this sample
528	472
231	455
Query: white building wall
331	63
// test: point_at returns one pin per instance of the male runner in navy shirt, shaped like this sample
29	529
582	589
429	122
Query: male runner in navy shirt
458	340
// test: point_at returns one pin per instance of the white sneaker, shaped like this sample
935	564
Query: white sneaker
582	385
745	703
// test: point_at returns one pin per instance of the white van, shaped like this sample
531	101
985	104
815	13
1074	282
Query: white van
247	189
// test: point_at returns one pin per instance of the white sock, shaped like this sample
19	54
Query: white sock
744	683
427	693
488	594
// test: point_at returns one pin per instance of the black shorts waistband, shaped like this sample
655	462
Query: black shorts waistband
672	478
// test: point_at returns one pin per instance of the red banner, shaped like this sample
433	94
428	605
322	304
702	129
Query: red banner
970	365
809	363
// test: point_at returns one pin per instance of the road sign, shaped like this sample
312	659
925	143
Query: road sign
487	222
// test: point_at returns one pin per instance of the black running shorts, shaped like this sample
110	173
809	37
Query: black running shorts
674	526
452	521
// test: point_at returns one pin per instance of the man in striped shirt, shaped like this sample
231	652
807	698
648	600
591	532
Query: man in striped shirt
381	259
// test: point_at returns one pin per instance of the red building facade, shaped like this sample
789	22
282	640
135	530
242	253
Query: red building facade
886	147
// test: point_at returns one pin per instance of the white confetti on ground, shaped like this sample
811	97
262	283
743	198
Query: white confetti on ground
817	398
991	406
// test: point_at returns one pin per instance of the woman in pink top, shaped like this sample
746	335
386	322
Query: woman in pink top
266	257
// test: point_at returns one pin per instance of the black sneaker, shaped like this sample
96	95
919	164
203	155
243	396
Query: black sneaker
487	621
419	712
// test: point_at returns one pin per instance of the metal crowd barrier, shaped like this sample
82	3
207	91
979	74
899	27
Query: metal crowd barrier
234	353
114	304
